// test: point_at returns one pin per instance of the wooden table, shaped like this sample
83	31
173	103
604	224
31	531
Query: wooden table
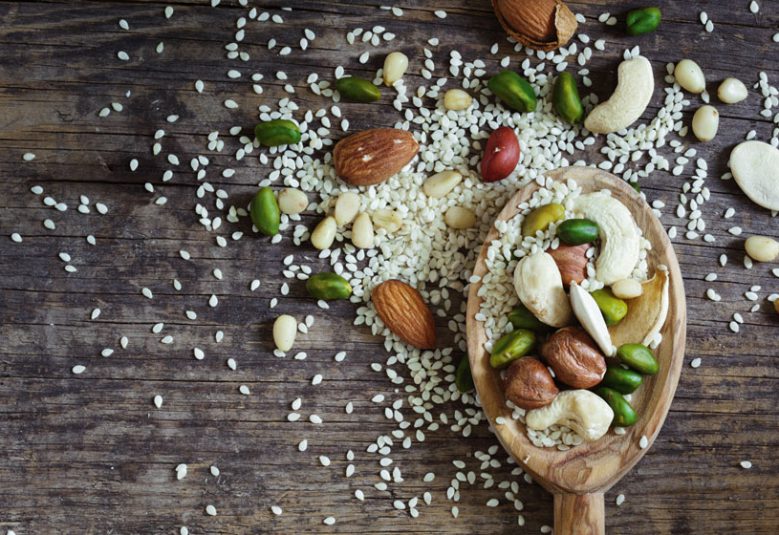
91	453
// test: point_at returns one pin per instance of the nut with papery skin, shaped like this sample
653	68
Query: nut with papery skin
538	24
372	156
574	357
571	260
528	384
405	313
501	155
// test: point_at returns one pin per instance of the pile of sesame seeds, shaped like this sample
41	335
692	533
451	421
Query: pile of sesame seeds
442	267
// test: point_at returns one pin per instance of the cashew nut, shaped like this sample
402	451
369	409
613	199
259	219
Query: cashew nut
539	286
755	166
581	410
635	86
589	315
620	241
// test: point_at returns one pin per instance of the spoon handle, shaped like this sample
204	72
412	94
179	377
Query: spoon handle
579	514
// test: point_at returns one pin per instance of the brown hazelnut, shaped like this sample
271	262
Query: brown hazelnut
571	260
574	357
528	384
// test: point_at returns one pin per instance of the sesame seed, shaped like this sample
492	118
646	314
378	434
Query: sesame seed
643	442
78	369
746	464
210	510
695	363
158	401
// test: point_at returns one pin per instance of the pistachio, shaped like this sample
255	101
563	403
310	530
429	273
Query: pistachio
328	286
705	123
265	212
357	89
324	233
362	232
612	308
566	99
639	357
624	415
642	20
277	132
463	379
512	346
577	231
457	100
732	90
395	66
459	218
762	248
521	318
292	201
540	218
689	75
514	91
346	207
622	380
627	289
441	184
387	219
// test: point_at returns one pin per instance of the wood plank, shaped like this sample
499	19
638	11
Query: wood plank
80	449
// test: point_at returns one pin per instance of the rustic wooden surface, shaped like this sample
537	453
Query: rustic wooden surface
91	454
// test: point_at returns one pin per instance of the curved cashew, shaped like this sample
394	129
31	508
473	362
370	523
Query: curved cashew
620	241
539	286
635	86
581	410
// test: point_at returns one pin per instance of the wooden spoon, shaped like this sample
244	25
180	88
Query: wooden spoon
579	476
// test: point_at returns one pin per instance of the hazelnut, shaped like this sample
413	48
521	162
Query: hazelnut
528	384
574	357
571	260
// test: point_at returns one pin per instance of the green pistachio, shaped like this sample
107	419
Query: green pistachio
514	91
265	212
277	132
357	89
643	20
566	99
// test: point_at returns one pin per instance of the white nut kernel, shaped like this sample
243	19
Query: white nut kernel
346	207
755	166
441	184
762	248
539	286
626	289
285	329
581	410
362	232
690	76
324	233
705	123
457	100
458	217
395	66
635	86
387	219
292	201
589	315
732	90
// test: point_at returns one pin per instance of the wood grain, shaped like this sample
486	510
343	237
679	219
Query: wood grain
91	454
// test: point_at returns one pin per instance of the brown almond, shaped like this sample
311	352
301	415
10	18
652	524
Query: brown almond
538	24
372	156
405	313
571	260
574	357
528	384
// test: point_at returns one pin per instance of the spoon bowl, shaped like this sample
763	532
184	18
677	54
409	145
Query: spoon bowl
579	476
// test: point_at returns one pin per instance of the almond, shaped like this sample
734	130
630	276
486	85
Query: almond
372	156
538	24
405	313
571	260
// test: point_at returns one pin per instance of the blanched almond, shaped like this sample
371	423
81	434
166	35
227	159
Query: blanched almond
441	184
324	233
292	201
346	207
459	218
